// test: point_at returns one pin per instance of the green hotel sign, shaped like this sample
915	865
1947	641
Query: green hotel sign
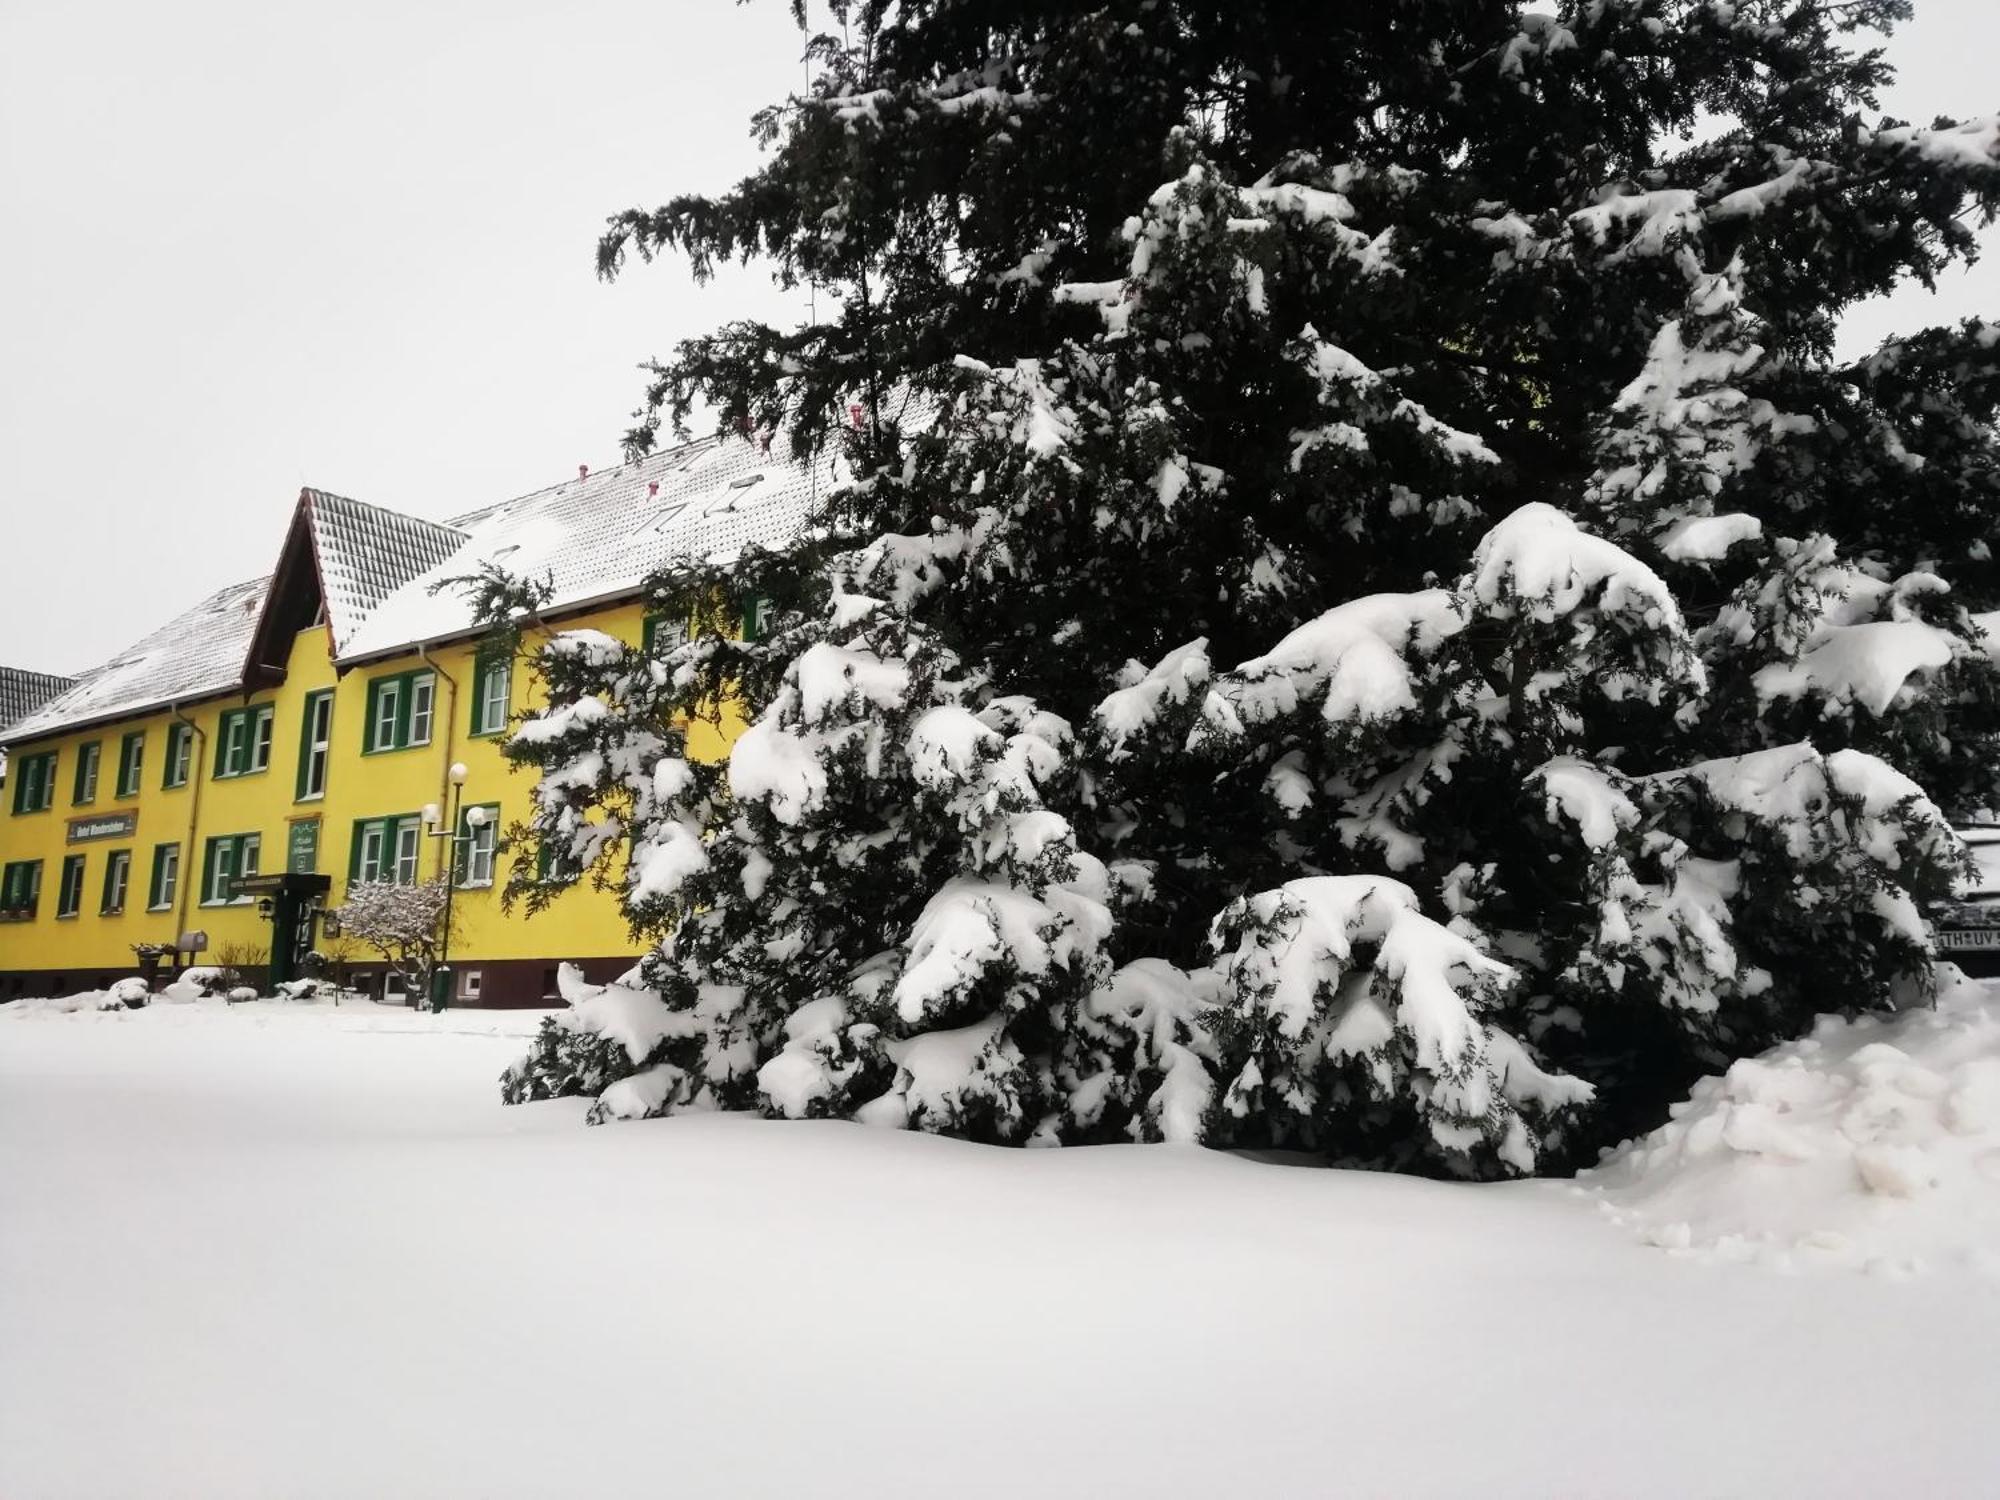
302	846
118	825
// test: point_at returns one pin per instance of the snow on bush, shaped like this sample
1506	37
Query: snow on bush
1873	1143
401	921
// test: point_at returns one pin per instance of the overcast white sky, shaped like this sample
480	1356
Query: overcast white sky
249	246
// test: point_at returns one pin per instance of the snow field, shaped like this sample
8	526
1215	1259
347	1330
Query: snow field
293	1249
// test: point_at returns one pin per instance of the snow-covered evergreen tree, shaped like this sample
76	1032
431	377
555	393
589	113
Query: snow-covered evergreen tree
1366	616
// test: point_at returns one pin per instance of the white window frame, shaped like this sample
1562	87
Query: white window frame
131	765
469	981
68	903
219	875
92	756
423	701
409	844
180	760
482	842
319	747
374	838
260	738
170	879
388	704
118	881
232	745
495	689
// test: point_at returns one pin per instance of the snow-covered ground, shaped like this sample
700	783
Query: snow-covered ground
298	1250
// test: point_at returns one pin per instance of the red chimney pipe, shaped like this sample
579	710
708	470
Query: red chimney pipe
652	489
583	471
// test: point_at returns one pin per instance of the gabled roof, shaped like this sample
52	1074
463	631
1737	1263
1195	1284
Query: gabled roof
22	692
366	553
597	537
196	655
339	560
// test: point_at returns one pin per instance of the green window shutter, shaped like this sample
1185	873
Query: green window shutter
354	848
305	745
131	751
208	853
153	879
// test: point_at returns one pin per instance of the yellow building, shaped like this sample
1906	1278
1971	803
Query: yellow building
304	724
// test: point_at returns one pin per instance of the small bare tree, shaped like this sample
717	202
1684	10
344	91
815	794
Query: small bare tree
403	923
335	953
233	958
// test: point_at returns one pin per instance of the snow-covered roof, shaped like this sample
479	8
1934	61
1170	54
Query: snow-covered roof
598	536
365	553
22	692
195	655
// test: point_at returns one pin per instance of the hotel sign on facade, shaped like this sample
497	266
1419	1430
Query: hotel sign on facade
118	825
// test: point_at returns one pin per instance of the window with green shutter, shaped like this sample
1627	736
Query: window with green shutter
180	755
165	883
225	860
20	889
83	787
315	745
69	891
399	712
665	631
556	866
117	877
492	676
477	845
131	755
34	782
385	849
243	741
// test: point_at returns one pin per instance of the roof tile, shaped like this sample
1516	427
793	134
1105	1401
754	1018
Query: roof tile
22	692
196	655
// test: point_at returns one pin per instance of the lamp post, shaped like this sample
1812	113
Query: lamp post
441	976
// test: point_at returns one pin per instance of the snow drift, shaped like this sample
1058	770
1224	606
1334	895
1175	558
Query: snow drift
1871	1144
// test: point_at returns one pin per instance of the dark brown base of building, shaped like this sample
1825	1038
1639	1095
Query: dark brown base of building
479	983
